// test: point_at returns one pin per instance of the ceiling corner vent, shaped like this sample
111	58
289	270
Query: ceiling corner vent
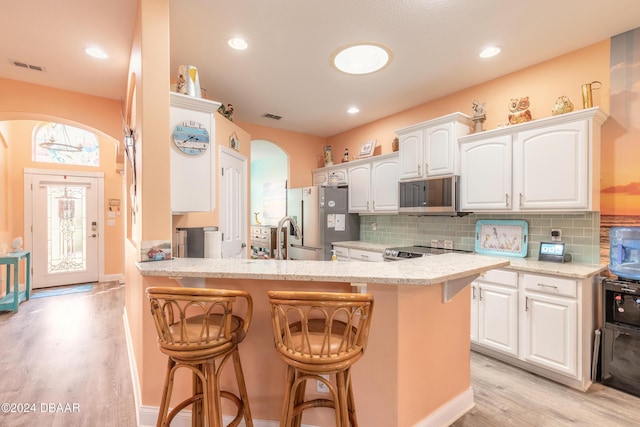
23	64
271	116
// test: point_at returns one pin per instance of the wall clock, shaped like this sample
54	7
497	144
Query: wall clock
191	137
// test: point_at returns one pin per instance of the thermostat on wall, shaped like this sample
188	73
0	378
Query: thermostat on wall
553	251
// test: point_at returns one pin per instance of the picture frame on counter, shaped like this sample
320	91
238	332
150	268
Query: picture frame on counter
366	149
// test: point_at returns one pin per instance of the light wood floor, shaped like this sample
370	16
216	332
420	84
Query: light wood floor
67	349
71	350
509	396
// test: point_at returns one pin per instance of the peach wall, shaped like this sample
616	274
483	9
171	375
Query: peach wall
543	83
21	134
304	151
20	106
5	213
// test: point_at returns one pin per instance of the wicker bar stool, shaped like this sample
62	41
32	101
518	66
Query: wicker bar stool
198	330
320	333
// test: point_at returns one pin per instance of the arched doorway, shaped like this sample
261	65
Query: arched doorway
269	175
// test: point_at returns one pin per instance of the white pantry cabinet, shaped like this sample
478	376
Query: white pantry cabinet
431	148
551	164
192	175
373	184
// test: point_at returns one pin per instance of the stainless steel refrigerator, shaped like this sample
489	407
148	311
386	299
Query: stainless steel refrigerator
323	217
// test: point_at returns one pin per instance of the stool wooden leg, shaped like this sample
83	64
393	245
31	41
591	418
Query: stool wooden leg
166	394
287	406
296	420
341	405
351	402
213	395
242	388
197	416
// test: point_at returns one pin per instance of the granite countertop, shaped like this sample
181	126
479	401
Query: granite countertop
529	265
419	271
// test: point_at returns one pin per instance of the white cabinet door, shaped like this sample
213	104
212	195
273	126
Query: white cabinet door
411	154
485	176
552	165
498	318
550	332
438	148
192	187
359	188
384	185
474	311
319	178
360	255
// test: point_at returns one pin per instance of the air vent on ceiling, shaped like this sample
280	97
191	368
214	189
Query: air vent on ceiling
22	64
271	116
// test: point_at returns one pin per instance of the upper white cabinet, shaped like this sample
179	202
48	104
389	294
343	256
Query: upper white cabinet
431	148
192	164
330	175
373	185
551	164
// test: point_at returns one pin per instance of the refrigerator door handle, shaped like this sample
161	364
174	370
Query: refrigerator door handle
309	248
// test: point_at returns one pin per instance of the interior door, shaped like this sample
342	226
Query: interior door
64	240
233	203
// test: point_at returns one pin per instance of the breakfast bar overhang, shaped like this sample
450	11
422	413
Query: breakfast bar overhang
415	370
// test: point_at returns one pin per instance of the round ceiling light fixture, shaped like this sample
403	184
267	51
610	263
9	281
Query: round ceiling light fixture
490	51
96	52
361	58
353	110
238	43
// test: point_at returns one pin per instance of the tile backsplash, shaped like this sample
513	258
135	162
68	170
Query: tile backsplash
580	231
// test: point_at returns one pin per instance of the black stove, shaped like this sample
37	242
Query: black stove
408	252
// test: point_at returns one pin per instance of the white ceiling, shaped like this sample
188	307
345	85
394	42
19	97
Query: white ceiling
286	71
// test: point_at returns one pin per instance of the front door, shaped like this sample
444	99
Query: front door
64	219
233	204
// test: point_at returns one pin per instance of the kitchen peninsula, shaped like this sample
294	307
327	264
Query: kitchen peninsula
416	366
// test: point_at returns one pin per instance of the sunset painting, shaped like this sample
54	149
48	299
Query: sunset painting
620	151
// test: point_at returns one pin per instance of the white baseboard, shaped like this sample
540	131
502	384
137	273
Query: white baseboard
112	278
133	369
450	411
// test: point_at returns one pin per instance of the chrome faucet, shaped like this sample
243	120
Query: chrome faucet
296	231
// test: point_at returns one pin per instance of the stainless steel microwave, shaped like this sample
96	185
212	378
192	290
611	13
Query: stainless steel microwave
430	196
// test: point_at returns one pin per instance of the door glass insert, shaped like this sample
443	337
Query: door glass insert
66	228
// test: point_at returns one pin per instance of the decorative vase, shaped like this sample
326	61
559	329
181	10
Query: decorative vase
328	156
395	145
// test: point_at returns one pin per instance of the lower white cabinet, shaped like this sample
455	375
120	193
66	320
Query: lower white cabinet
550	332
540	322
494	308
351	254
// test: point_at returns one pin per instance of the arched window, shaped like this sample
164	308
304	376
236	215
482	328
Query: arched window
58	143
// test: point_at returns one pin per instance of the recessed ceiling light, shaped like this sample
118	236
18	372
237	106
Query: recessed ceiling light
96	52
353	110
238	43
361	58
490	51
